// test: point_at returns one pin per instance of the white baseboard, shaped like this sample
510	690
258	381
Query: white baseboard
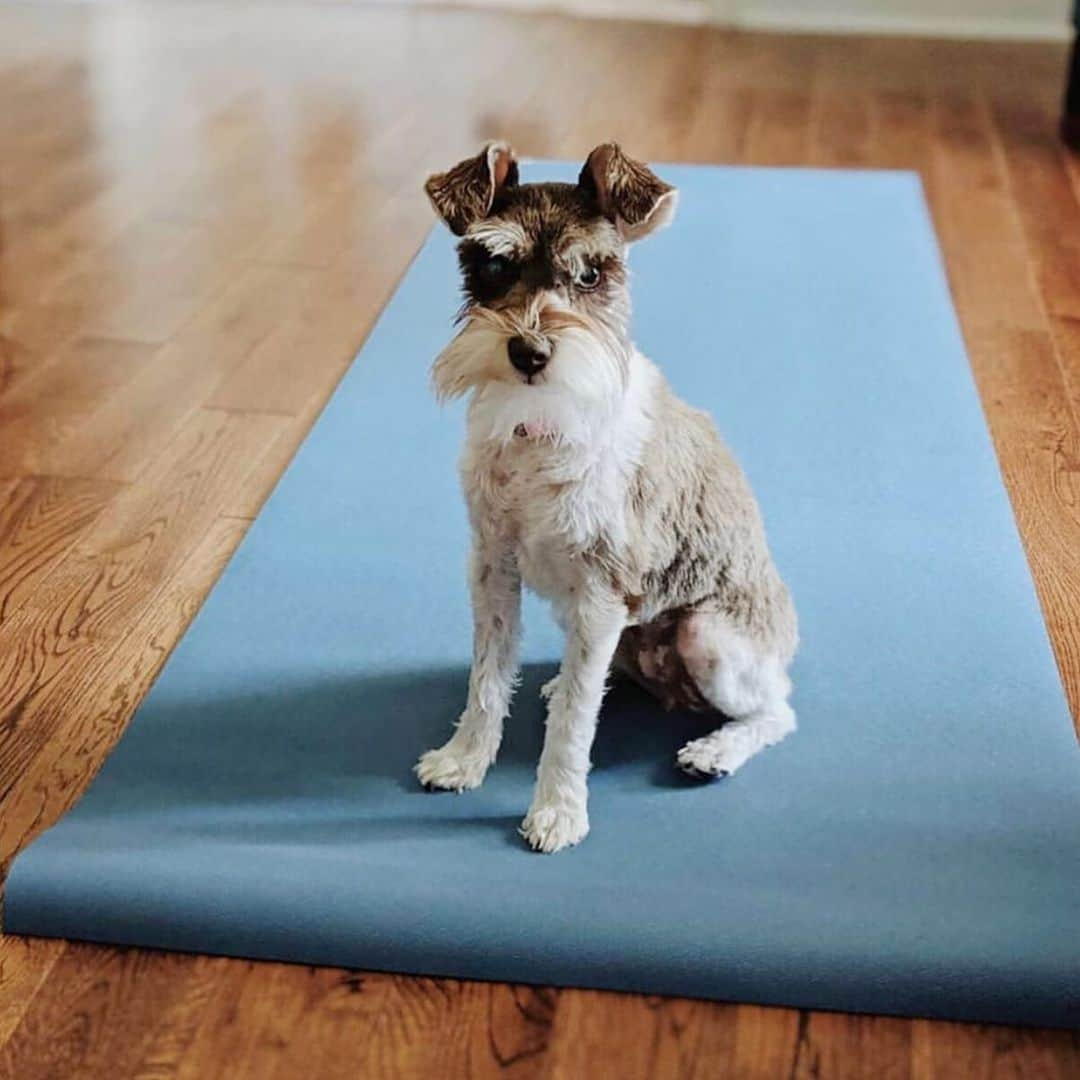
676	11
692	12
1031	20
1021	20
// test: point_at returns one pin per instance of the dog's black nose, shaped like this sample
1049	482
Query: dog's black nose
525	357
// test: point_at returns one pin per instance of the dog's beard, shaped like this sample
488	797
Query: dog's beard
577	393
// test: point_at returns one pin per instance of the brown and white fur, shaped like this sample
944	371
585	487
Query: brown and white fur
590	482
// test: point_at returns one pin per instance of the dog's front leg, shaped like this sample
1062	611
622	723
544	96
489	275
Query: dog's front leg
495	585
559	813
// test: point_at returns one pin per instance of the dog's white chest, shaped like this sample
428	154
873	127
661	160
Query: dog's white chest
551	505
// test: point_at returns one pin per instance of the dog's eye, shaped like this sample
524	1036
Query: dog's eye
496	269
588	277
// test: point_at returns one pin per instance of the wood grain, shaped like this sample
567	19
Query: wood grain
25	964
41	517
199	221
106	1013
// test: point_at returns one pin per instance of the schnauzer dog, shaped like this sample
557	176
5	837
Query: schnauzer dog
590	482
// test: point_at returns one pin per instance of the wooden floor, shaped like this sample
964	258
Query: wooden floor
202	208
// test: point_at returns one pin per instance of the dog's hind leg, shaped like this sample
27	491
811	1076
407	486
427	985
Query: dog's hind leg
647	654
741	679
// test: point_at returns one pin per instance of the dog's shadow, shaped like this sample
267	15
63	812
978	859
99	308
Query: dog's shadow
331	761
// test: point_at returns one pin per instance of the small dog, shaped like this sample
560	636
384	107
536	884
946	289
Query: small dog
590	482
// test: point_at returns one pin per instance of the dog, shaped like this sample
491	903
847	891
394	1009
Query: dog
590	482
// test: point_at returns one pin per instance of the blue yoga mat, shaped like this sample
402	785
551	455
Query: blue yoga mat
914	849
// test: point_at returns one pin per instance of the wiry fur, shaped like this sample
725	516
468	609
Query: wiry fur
595	486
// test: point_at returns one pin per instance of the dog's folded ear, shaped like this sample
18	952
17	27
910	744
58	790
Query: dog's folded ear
628	192
465	193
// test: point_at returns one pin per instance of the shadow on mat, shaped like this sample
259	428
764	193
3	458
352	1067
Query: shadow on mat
329	761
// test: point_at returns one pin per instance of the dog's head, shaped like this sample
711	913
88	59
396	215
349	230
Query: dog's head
547	306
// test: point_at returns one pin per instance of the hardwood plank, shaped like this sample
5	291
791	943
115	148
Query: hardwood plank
839	1046
977	223
778	132
516	1029
29	334
444	1027
258	1011
1048	209
341	221
273	1020
130	427
103	1012
942	1051
40	518
768	63
964	141
900	132
15	358
840	131
39	414
198	979
44	254
153	278
1066	335
25	964
766	1041
642	1036
306	353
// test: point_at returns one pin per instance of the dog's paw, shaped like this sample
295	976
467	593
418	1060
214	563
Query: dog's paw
446	769
547	691
708	758
552	828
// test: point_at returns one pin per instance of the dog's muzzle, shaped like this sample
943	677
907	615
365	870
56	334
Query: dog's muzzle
526	357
